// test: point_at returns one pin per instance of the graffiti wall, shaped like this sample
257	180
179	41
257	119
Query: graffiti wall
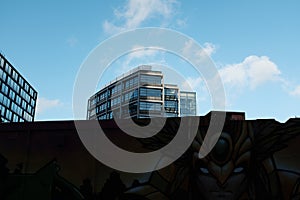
252	159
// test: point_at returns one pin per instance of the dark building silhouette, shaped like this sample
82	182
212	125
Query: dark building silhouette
17	96
47	160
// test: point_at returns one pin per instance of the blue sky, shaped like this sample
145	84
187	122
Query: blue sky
254	44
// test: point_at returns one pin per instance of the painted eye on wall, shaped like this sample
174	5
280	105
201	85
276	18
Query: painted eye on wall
204	170
238	170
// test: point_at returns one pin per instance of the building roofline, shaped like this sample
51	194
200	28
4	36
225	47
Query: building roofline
141	68
132	71
187	91
167	85
19	74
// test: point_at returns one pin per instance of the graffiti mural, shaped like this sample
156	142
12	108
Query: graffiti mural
253	159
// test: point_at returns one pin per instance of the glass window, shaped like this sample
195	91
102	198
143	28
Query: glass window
150	106
116	89
171	104
130	83
12	95
133	108
171	94
103	95
8	68
29	108
10	82
4	89
116	101
2	110
1	97
15	118
32	102
6	101
150	79
18	99
26	87
92	102
101	117
31	92
150	93
15	75
168	114
24	104
2	75
169	91
21	81
130	96
8	115
1	62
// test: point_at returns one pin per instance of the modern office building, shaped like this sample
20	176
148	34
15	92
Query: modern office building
17	96
140	93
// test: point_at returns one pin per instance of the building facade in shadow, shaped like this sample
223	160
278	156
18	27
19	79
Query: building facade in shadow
252	159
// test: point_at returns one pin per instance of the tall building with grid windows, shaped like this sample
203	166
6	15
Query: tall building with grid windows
140	93
17	96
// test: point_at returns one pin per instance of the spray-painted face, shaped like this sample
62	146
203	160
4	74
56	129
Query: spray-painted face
222	174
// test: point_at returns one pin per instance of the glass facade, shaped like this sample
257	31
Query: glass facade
187	104
150	79
150	93
140	94
171	101
17	96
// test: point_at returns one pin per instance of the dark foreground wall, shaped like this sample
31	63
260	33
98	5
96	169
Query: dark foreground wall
256	159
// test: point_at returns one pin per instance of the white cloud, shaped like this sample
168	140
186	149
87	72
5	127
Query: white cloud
252	72
200	56
44	104
296	91
138	55
209	49
135	12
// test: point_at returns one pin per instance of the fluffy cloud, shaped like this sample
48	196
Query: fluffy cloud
252	72
44	104
209	48
135	12
191	49
201	57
